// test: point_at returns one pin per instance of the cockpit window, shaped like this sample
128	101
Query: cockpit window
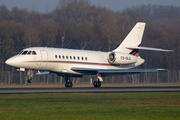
34	53
29	52
20	52
24	53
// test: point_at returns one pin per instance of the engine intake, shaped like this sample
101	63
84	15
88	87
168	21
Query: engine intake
121	58
112	57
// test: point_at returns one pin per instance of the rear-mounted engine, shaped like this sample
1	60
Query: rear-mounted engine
121	58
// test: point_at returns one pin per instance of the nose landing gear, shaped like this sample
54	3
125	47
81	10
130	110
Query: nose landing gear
30	76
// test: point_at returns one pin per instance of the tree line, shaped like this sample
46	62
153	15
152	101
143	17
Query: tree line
77	24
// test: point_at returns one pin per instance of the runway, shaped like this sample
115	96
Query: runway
90	90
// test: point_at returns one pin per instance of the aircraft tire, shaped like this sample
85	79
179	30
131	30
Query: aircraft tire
29	81
68	84
97	83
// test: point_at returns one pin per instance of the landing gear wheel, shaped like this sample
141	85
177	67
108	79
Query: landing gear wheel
29	81
97	83
68	81
68	84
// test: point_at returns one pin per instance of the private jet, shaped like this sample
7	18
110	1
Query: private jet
76	63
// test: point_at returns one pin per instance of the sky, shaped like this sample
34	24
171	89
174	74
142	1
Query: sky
44	6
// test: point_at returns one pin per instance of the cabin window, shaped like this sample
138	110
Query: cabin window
70	57
78	58
74	57
55	56
24	53
66	57
82	58
29	52
63	56
59	57
34	53
85	58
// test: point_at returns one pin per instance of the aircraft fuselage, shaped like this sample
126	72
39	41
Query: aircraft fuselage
62	60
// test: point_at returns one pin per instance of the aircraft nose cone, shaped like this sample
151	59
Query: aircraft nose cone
15	61
9	61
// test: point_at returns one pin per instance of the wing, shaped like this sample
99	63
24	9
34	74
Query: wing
126	71
112	71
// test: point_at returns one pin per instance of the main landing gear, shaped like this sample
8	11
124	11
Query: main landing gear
68	84
97	83
68	81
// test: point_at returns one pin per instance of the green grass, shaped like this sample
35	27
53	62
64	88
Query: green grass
87	106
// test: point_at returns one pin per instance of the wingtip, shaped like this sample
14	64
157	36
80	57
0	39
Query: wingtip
158	69
170	50
167	50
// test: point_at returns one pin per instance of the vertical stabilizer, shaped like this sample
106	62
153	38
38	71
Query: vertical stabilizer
134	38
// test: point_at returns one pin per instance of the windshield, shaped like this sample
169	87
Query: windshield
27	53
24	53
20	52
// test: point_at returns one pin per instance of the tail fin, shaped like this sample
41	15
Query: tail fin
134	38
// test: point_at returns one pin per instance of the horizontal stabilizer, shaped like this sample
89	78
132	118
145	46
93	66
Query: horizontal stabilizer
42	73
148	48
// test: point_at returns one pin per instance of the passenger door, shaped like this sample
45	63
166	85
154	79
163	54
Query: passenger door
44	59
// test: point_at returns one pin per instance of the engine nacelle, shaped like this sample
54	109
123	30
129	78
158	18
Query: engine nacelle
121	58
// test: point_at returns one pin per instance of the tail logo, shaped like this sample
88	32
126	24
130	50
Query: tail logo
135	52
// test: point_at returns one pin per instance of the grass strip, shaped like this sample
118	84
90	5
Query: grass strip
96	106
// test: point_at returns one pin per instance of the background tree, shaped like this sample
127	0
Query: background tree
78	24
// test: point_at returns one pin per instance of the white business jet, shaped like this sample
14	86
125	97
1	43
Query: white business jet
76	63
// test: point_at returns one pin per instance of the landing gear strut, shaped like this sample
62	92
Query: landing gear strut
97	83
30	76
68	81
